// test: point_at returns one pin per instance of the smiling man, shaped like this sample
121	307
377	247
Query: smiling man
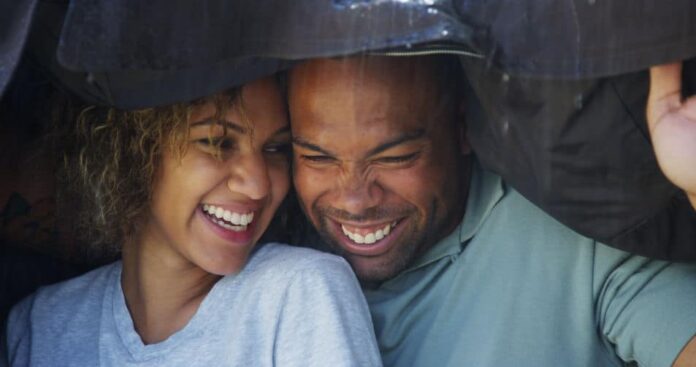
458	268
375	171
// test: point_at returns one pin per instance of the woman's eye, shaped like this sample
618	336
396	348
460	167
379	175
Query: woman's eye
222	143
280	148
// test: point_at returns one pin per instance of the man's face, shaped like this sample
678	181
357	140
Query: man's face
378	159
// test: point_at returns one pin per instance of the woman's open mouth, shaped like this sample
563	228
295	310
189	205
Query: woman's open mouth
226	219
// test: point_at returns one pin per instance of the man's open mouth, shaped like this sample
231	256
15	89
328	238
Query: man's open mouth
226	219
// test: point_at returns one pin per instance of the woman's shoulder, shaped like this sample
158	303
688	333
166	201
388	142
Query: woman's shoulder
291	259
285	266
75	296
78	289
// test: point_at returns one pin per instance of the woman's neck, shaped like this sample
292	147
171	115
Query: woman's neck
162	292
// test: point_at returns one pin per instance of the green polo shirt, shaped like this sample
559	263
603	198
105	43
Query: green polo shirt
513	287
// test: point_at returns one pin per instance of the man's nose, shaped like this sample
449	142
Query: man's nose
249	176
357	193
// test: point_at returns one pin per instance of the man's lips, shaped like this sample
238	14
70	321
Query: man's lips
367	239
367	235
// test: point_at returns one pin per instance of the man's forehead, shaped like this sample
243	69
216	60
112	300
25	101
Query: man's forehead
363	73
370	90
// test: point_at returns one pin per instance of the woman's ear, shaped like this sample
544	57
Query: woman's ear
464	145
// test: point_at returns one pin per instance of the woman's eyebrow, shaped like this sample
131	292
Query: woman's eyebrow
227	123
282	130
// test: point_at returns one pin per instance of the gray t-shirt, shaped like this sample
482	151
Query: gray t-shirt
288	307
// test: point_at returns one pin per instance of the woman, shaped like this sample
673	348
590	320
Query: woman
188	190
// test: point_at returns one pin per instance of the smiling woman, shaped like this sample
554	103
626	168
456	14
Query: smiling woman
187	191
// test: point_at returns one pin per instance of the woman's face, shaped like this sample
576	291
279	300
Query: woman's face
209	211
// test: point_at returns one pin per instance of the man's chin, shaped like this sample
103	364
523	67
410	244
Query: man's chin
378	261
374	271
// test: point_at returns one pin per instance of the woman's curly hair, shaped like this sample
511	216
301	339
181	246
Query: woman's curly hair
111	160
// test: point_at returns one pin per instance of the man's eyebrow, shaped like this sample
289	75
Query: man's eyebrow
403	138
228	124
307	145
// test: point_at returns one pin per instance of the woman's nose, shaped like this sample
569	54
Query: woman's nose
249	176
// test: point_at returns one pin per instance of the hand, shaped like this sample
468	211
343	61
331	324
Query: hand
672	125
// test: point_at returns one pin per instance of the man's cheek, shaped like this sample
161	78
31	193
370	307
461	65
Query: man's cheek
305	187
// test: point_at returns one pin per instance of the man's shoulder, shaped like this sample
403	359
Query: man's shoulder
517	215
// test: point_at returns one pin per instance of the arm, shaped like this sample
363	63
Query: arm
16	340
646	309
687	357
672	125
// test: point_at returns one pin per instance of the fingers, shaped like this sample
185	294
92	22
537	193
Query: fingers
665	91
689	108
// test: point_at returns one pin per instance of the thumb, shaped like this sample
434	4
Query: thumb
665	91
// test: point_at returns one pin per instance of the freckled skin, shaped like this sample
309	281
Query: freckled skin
347	108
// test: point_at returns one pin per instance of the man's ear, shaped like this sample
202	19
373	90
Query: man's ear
464	145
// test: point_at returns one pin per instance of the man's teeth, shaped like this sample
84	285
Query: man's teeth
368	238
237	219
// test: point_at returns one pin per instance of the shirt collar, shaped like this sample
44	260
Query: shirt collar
485	190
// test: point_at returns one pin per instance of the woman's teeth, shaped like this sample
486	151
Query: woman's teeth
368	238
227	219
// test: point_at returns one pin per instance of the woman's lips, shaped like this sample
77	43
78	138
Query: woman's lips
238	230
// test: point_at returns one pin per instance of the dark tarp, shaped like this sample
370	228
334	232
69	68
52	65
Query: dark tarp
559	90
553	38
15	21
581	151
137	88
573	39
583	38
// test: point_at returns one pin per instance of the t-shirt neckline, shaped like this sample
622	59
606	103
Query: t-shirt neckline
132	342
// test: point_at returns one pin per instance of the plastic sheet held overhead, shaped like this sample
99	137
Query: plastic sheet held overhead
557	97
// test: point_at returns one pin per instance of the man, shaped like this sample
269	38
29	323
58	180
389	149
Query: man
458	268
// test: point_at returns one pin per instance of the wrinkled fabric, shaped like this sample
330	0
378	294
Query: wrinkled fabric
566	127
580	150
131	89
15	22
550	38
288	307
103	35
511	286
575	39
